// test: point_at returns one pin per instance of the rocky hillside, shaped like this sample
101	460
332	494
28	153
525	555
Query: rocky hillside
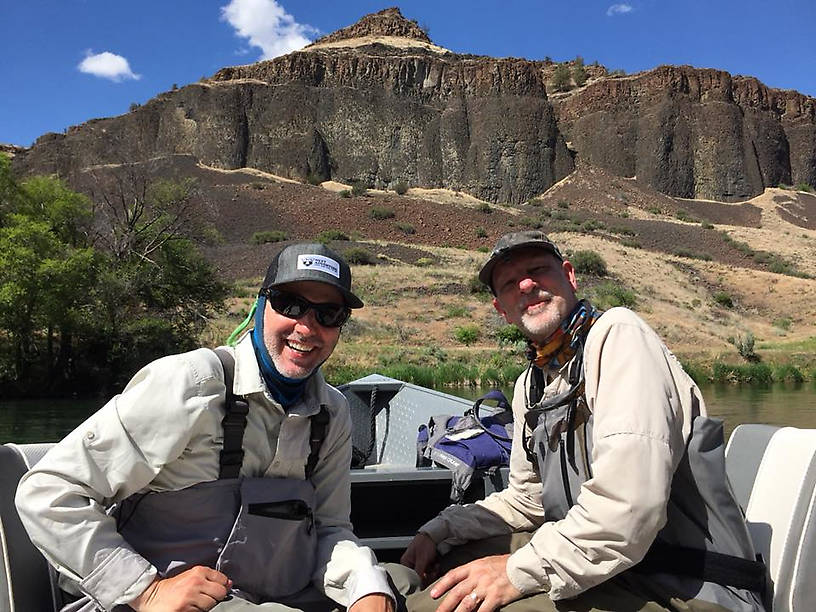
379	103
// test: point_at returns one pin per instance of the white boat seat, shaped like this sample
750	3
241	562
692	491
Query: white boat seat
773	472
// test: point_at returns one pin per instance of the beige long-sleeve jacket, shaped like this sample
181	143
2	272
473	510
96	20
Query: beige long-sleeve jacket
164	433
643	404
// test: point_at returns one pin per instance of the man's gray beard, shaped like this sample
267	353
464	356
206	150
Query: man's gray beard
539	328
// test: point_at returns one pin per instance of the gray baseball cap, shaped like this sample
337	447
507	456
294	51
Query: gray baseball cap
513	242
308	261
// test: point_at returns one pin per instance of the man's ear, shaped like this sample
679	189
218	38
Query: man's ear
500	310
569	272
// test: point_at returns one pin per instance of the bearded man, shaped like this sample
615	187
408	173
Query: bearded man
617	497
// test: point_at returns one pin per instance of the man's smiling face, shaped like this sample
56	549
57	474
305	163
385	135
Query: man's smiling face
298	346
534	290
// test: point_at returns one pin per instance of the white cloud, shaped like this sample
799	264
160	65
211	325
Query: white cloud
619	9
107	65
267	25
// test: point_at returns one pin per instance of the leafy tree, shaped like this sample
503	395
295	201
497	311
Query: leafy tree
561	78
90	291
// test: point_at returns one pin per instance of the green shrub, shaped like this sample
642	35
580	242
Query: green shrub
589	262
561	78
490	376
477	286
466	334
804	187
405	227
692	254
655	210
622	231
359	256
358	189
683	215
381	212
268	236
579	75
563	204
783	323
401	188
752	373
484	207
745	346
697	372
327	236
632	244
258	186
707	225
481	232
789	372
424	262
456	312
529	222
610	294
510	334
314	179
590	225
345	193
723	298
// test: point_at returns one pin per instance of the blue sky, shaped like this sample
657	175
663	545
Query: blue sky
67	61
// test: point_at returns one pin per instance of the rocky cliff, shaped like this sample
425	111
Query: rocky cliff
693	133
379	103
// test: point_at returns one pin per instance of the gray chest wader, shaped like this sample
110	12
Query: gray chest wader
260	532
705	536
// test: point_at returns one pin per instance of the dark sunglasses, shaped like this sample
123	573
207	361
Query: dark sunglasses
294	307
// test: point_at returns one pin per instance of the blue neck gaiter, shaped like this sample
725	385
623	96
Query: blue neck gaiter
286	391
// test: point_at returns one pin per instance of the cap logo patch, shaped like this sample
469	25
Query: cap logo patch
319	263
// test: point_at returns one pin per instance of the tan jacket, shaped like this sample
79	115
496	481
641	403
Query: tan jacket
643	404
164	433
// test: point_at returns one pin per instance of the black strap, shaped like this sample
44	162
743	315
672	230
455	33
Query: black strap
705	565
501	403
319	427
234	422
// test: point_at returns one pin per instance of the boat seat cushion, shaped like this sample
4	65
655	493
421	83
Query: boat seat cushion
773	471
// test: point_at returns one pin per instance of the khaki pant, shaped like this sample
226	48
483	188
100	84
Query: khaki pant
402	579
623	593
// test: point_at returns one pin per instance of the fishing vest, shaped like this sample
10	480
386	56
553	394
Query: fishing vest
705	536
260	532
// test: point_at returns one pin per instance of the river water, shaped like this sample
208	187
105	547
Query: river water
778	404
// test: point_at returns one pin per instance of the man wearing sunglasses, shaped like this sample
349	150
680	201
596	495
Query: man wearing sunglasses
219	479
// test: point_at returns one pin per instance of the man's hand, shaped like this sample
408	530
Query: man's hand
198	588
481	584
421	556
376	602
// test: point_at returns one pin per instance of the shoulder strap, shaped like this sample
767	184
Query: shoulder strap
319	427
234	422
